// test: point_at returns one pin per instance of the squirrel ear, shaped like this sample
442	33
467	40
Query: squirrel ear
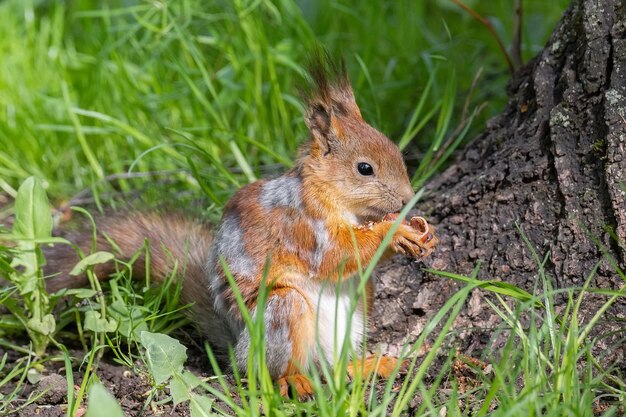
324	126
317	119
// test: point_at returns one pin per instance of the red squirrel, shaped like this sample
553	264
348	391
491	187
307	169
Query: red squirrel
346	183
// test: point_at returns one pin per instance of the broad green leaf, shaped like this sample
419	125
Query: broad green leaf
96	323
165	355
33	221
181	386
201	406
179	391
102	403
44	326
33	218
93	259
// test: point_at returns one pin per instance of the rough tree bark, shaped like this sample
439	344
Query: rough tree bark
554	162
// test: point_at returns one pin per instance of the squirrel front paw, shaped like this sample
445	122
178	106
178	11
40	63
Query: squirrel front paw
415	238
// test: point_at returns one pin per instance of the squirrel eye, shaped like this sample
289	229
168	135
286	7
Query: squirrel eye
365	168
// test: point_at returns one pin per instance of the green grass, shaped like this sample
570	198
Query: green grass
89	89
110	102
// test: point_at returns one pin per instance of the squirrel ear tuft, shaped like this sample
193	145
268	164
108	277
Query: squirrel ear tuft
328	96
329	84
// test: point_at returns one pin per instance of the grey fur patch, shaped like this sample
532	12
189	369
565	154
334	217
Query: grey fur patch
287	236
223	317
278	346
289	245
242	349
214	279
228	244
218	329
281	192
322	243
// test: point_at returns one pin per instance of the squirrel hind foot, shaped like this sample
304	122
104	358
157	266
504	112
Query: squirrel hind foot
382	366
300	386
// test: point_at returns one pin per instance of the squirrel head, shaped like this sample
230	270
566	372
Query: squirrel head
355	165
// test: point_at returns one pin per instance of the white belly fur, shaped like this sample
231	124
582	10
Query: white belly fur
334	323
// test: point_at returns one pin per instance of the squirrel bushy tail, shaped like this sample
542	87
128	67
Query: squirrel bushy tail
177	245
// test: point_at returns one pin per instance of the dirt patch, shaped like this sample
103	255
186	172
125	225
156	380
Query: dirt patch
132	389
49	395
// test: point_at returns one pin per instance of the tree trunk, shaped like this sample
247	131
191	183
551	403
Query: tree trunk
554	162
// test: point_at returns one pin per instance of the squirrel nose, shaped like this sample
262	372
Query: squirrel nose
407	195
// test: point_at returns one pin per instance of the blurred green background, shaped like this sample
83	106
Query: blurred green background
204	94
